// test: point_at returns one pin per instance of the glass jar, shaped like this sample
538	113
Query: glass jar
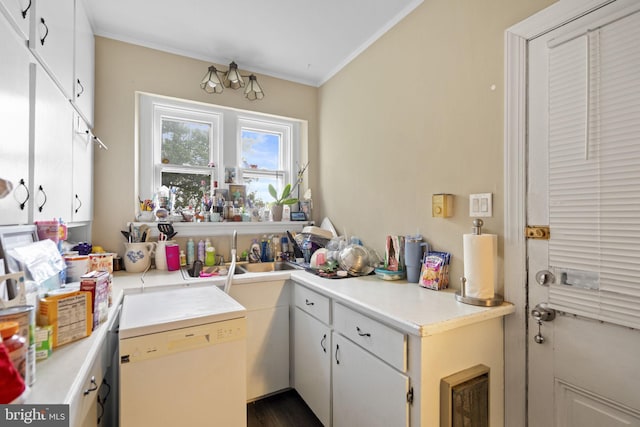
16	346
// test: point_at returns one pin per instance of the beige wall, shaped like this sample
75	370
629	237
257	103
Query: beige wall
414	115
121	70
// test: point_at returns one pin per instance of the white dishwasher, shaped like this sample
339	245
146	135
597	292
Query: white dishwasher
182	359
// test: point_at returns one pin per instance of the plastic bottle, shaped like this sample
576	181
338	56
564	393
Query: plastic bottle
277	250
210	256
191	252
183	259
264	245
201	250
207	244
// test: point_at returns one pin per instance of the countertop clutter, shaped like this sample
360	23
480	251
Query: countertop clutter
402	305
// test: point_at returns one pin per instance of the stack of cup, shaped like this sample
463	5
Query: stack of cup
414	248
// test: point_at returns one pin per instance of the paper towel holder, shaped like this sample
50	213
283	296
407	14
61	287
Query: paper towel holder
483	302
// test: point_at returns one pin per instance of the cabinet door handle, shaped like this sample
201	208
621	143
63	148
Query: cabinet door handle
94	386
79	204
24	12
322	343
362	334
40	189
306	301
337	348
24	202
81	89
46	32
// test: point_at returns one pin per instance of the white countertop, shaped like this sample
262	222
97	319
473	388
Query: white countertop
405	306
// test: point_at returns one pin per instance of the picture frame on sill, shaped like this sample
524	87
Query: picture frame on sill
221	193
230	174
238	194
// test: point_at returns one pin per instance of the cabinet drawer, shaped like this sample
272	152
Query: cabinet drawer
387	343
313	303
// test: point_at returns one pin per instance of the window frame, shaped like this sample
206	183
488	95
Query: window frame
227	140
286	162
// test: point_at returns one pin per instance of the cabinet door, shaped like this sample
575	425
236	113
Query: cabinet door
18	12
366	391
312	363
267	305
82	184
51	142
84	65
14	122
51	40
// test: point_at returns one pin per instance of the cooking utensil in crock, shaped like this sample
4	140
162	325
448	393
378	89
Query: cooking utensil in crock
167	228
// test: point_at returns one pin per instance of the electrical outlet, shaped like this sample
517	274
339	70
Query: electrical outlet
481	205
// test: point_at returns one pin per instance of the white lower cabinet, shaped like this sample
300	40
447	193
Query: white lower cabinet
349	369
366	391
312	363
267	305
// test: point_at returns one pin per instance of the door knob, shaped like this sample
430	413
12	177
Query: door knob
542	313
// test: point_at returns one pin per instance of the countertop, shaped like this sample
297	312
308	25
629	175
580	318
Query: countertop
405	306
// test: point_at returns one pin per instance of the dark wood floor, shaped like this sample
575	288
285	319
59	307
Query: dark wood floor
285	409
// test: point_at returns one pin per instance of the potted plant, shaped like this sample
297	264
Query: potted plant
283	199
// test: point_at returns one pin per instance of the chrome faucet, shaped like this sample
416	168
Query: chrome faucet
234	241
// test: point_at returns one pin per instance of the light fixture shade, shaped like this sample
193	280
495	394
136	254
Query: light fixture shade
211	81
253	90
232	78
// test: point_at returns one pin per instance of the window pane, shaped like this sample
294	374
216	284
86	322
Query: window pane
185	142
189	188
260	150
258	188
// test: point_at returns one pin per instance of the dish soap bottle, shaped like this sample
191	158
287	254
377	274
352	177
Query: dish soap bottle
210	256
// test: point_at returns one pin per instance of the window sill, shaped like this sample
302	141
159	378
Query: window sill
226	228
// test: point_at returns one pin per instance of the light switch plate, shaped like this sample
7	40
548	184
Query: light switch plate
481	205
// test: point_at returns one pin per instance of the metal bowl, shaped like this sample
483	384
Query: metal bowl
355	260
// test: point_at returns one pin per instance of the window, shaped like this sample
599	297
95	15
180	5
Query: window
193	148
264	149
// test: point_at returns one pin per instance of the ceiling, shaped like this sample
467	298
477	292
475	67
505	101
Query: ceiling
299	40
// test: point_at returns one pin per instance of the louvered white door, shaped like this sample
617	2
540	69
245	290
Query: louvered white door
584	182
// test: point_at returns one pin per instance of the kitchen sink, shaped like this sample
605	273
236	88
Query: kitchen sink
265	267
185	273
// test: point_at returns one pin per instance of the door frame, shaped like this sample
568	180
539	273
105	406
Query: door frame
516	40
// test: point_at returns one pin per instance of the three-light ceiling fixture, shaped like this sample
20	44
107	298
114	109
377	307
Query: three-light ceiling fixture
214	81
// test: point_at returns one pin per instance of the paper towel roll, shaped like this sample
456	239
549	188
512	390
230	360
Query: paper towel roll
480	265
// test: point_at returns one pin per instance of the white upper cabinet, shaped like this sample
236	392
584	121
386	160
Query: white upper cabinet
52	153
51	40
84	54
14	122
18	12
82	184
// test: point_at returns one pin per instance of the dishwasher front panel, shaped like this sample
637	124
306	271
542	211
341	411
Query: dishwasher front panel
193	376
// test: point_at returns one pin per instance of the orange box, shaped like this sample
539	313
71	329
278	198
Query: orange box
69	314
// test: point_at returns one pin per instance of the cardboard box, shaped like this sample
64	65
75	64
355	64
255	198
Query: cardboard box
69	316
97	283
44	342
